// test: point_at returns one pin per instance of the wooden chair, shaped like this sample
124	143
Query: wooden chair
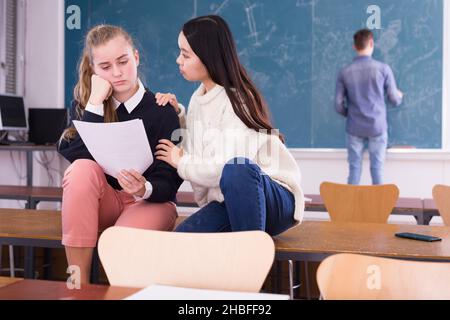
238	261
441	196
347	203
358	277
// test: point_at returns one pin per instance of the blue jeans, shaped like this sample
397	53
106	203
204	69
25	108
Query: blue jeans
377	152
253	201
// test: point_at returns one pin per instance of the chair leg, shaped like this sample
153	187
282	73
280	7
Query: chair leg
291	279
12	271
308	292
293	286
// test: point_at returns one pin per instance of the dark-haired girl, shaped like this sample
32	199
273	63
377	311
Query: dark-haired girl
243	176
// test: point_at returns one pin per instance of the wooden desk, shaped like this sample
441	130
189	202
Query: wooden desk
410	206
36	194
315	240
36	228
15	192
7	281
33	195
30	228
404	206
43	229
18	289
429	210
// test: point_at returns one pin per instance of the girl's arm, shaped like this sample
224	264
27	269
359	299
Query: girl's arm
74	149
232	140
162	99
164	178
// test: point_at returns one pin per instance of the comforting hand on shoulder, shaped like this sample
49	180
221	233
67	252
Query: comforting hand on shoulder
162	99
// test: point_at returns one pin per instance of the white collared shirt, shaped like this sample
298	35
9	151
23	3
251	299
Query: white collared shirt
130	105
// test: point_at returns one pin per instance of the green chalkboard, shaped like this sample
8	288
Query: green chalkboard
293	50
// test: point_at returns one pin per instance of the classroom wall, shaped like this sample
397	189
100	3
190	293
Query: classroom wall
43	85
415	172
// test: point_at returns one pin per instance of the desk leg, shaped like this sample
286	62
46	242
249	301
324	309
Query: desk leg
427	219
29	263
419	219
29	168
32	204
47	263
278	277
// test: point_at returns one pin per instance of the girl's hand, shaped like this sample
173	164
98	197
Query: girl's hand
132	182
101	90
168	152
162	99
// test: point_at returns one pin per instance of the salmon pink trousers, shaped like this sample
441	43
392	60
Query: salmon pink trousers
90	205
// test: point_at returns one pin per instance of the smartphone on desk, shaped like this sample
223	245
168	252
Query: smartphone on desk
416	236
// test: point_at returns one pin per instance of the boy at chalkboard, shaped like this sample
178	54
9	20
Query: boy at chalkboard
360	97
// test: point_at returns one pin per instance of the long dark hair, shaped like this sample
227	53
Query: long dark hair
211	40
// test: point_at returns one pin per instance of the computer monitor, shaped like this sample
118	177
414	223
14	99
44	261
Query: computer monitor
12	113
46	125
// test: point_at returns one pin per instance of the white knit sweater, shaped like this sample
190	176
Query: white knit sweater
215	135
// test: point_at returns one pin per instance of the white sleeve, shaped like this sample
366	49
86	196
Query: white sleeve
182	116
148	192
227	144
97	109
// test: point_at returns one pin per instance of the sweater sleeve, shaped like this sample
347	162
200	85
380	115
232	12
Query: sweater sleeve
182	116
236	141
75	149
163	177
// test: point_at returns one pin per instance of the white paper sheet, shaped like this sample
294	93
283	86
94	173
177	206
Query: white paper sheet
117	146
160	292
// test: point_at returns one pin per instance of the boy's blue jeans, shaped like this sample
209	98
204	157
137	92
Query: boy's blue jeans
253	201
377	151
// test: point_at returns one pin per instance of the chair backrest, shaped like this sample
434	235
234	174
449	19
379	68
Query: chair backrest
441	196
347	203
238	261
351	276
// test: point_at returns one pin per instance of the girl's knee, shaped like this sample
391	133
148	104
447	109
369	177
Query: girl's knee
82	169
238	169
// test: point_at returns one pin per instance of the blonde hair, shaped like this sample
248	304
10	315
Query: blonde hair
97	36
